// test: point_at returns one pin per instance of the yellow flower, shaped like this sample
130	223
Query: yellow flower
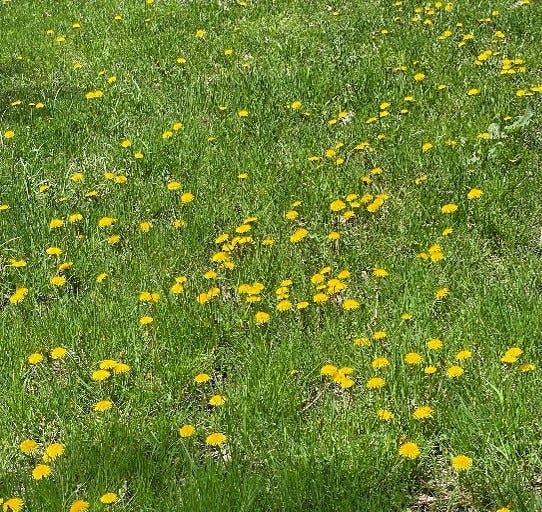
441	293
426	146
19	295
145	226
28	446
126	143
9	134
103	405
379	272
12	504
217	400
145	320
187	197
430	370
101	277
284	305
320	298
474	193
261	318
463	354
138	155
423	412
413	358
384	414
121	368
58	353
75	217
200	378
409	450
454	371
200	33
108	364
109	498
350	304
41	471
380	362
449	208
187	430
35	358
473	92
243	113
100	375
419	77
461	462
302	305
58	281
328	370
79	506
434	344
375	383
215	439
53	251
53	451
105	222
17	263
56	223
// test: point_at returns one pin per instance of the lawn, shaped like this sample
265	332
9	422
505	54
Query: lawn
270	255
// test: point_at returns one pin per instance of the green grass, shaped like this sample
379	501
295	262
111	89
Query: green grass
296	440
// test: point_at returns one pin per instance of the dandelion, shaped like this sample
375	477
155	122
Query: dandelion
474	193
41	471
100	375
12	504
200	378
350	304
109	498
413	358
385	414
103	405
434	344
79	506
441	293
28	446
427	146
449	208
422	412
463	354
379	272
58	353
243	113
35	358
461	463
187	197
187	430
217	400
146	320
215	439
375	383
53	452
454	371
409	450
261	318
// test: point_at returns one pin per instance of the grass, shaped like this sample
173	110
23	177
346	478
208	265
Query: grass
313	80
